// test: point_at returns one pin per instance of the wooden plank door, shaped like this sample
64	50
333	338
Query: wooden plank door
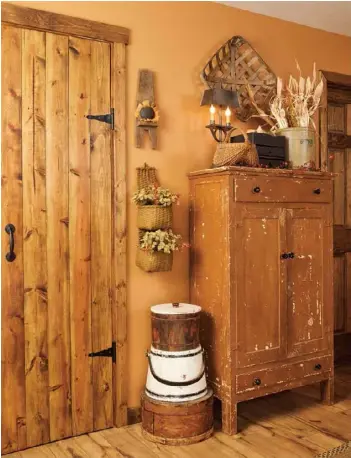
339	160
308	239
57	192
261	285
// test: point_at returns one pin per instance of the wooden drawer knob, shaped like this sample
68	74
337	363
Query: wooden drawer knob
256	189
318	367
317	191
257	381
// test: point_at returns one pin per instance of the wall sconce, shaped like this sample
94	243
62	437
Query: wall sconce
224	99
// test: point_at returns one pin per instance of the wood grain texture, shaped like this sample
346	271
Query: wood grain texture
59	341
264	228
177	421
337	78
80	234
348	291
34	236
336	131
101	234
13	411
290	425
323	125
336	118
339	293
307	277
348	189
59	23
253	232
119	209
338	167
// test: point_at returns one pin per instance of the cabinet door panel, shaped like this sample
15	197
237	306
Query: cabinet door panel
261	287
307	238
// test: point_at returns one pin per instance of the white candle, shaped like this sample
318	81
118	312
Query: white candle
228	114
212	114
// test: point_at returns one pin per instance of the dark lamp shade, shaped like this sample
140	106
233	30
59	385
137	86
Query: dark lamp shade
218	96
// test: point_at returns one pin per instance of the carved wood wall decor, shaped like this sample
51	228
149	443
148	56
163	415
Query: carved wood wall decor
234	65
146	113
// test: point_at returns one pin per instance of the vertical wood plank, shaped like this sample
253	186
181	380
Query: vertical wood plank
338	167
119	310
348	188
13	409
79	234
336	118
323	125
348	119
101	237
339	293
34	236
348	292
57	238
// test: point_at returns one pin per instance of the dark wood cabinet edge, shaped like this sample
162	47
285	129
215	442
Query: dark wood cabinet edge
338	79
59	23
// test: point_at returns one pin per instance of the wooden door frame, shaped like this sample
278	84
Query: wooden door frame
339	80
336	80
118	37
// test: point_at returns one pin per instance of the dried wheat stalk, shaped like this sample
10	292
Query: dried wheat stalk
294	105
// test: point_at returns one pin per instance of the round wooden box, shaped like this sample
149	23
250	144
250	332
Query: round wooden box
177	423
175	326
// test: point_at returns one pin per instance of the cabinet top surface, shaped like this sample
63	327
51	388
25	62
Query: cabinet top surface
247	171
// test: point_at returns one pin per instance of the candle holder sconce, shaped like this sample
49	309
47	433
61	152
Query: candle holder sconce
222	98
227	75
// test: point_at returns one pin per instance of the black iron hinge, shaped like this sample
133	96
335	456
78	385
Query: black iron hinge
108	118
108	352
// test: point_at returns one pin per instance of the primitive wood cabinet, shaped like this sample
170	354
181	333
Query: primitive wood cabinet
262	271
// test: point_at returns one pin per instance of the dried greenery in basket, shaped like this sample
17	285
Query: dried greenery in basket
161	241
154	195
293	105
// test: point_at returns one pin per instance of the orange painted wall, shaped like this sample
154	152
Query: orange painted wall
175	39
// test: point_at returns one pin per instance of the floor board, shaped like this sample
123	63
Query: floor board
291	424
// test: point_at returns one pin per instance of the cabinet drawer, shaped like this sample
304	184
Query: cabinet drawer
275	189
258	380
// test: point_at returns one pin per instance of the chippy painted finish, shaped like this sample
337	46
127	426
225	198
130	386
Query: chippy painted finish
261	269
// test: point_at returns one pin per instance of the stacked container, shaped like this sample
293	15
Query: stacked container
176	375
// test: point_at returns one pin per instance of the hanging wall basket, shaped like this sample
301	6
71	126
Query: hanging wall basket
154	261
152	217
234	65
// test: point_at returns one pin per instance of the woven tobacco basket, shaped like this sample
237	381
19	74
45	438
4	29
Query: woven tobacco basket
152	217
154	261
235	153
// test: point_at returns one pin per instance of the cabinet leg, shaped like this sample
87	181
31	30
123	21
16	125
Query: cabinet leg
229	418
327	391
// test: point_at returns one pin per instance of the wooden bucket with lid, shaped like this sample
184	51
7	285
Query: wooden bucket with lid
175	326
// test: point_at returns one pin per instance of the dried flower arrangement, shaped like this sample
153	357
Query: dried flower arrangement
293	105
155	195
160	240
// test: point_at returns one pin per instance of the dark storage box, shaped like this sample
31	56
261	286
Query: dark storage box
270	149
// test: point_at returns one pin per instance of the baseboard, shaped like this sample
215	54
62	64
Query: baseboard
133	415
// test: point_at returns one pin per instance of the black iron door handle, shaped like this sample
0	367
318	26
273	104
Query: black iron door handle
10	229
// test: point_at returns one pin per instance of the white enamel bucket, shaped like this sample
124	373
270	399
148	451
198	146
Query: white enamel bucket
176	376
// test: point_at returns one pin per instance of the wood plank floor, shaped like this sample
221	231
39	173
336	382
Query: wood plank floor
285	425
